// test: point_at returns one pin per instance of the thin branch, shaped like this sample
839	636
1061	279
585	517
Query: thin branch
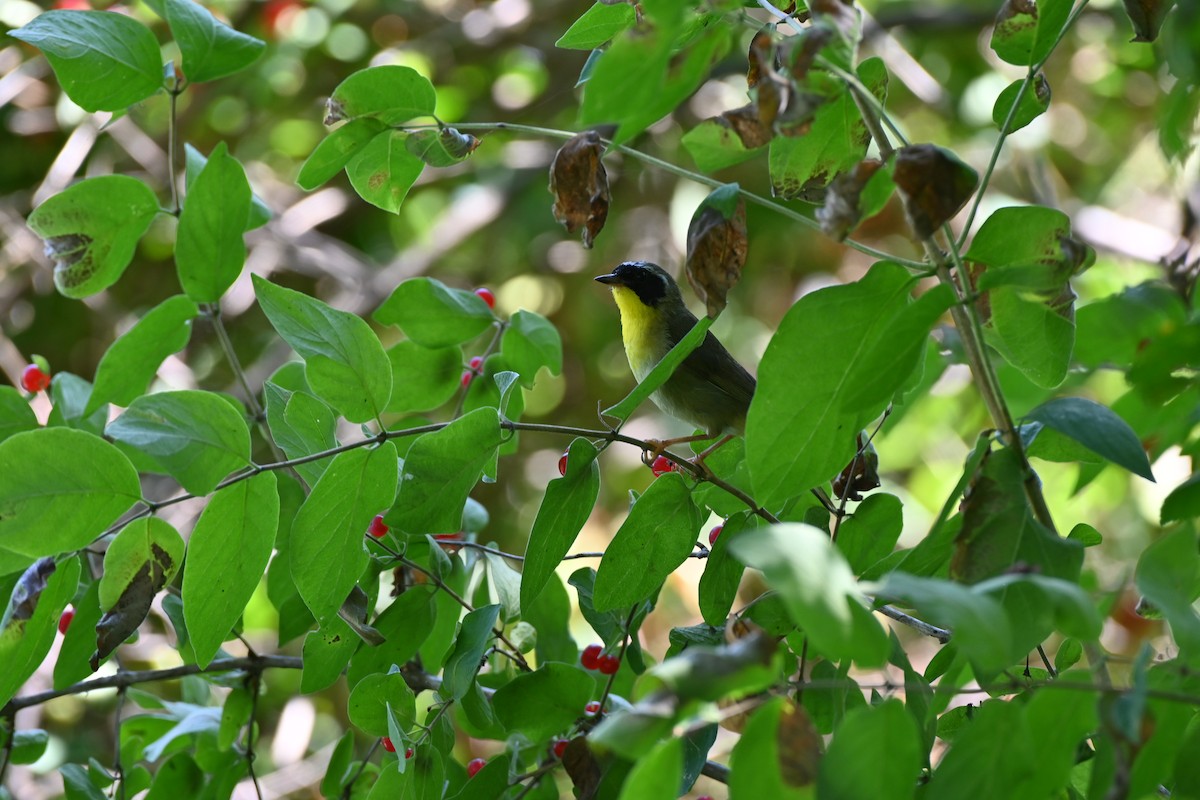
890	611
255	680
118	770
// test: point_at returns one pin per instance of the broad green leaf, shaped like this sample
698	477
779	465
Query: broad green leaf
61	489
338	770
77	785
715	145
565	508
440	470
1059	723
16	415
131	362
651	543
884	736
655	776
392	94
301	425
799	431
371	698
1025	34
197	437
1030	247
344	362
103	61
146	548
194	163
550	615
755	764
71	395
1168	575
871	531
235	713
1097	428
1031	336
989	757
598	25
209	248
474	636
335	151
227	555
326	652
383	171
210	48
1034	102
25	640
542	703
662	370
641	78
327	550
424	778
723	572
1112	330
28	745
439	640
433	314
405	624
179	776
80	640
531	342
835	142
91	229
817	587
423	378
1183	502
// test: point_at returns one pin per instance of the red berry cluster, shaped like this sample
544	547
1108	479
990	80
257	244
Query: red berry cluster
391	748
594	657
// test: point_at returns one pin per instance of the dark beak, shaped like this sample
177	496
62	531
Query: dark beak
608	279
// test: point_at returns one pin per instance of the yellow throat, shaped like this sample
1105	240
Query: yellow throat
643	331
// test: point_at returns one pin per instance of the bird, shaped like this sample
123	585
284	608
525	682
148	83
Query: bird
710	390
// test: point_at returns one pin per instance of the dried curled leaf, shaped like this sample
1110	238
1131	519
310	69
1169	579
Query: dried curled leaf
120	621
28	591
582	767
842	209
579	184
860	475
1147	17
747	124
354	613
799	746
716	246
935	184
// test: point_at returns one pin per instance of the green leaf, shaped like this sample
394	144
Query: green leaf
301	425
474	636
1183	502
76	783
62	488
423	378
655	776
335	151
16	415
722	572
1112	330
715	145
529	343
598	25
1029	247
235	713
755	764
145	547
210	48
835	142
91	229
662	370
71	394
405	624
24	642
104	61
326	652
344	362
130	363
799	431
989	757
383	171
651	543
871	532
1031	336
567	504
817	587
392	94
79	643
1097	428
1034	102
433	314
371	698
440	470
338	769
884	736
209	248
327	550
542	703
1025	34
179	776
28	745
194	163
1168	574
197	437
227	555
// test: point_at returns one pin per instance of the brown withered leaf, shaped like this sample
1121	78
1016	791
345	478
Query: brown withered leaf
1147	17
935	185
131	608
761	55
354	613
25	595
860	475
799	746
842	211
582	767
716	246
579	184
800	52
746	124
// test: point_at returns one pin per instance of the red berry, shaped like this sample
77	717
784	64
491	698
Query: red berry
476	362
560	747
33	379
64	621
474	765
662	465
387	744
487	296
591	656
408	753
609	665
714	533
562	464
378	529
705	797
592	707
466	379
449	537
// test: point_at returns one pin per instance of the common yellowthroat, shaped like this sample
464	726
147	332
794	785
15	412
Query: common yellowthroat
710	390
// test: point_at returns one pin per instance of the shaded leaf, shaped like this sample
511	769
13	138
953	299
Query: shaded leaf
143	557
131	362
542	703
463	662
771	747
935	184
1034	102
1097	428
1147	17
855	194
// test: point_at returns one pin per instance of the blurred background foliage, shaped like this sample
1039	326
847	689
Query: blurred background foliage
1114	152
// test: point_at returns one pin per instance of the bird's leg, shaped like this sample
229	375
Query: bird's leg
698	459
657	446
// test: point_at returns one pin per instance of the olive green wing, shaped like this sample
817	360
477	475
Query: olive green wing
713	374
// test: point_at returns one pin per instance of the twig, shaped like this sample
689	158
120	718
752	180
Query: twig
890	611
362	765
255	679
118	770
